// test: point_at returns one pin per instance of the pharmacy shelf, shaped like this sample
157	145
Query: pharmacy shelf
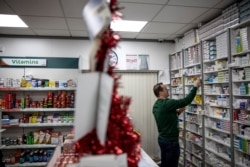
25	125
245	109
38	89
241	81
219	130
177	91
218	141
216	71
39	110
192	122
192	65
213	60
242	95
35	164
176	85
193	69
195	143
44	124
194	154
63	124
209	83
176	69
219	106
216	94
243	123
193	164
189	84
192	112
191	75
240	164
241	151
240	65
243	137
241	53
219	118
233	66
208	163
221	155
197	133
27	146
199	157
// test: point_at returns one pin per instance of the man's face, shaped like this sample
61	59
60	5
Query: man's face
164	92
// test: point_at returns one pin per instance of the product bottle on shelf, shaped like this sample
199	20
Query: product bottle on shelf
23	82
24	139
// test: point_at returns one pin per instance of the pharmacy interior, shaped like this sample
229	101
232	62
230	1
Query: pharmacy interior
46	95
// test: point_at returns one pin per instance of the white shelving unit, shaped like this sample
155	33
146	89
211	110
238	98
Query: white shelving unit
192	69
176	92
29	120
217	110
176	74
240	66
223	125
36	164
27	146
185	66
220	126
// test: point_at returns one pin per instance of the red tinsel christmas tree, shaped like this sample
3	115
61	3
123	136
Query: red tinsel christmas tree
121	137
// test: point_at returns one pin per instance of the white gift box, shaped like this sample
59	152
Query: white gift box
106	160
93	101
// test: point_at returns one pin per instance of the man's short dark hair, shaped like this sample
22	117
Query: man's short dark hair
157	89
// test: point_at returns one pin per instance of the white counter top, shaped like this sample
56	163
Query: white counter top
146	160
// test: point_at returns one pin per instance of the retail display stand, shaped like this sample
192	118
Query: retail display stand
216	127
176	92
187	67
216	74
192	117
28	127
240	93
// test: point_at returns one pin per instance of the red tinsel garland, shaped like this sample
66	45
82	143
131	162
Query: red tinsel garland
121	137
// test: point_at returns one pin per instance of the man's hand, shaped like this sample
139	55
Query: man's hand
197	82
180	110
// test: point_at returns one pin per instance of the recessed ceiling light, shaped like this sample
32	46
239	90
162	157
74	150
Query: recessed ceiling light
127	25
11	21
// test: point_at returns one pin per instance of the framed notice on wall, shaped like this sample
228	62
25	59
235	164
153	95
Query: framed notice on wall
143	61
131	62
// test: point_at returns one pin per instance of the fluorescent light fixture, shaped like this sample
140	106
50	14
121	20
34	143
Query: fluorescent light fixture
127	25
11	21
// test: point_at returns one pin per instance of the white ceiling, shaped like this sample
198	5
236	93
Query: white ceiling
167	19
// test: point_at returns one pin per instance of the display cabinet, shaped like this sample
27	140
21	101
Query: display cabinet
176	92
176	75
36	120
240	67
217	124
193	118
217	111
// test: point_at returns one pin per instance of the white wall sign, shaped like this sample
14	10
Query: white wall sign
23	62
